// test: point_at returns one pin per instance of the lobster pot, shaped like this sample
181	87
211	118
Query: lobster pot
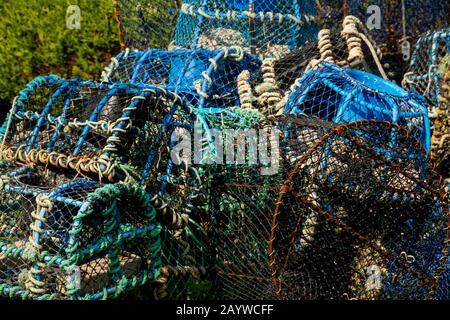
354	222
107	132
241	202
428	64
74	239
346	95
203	78
338	219
265	28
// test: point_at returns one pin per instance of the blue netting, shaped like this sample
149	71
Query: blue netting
260	27
346	95
203	78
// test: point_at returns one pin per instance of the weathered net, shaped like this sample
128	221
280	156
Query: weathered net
60	133
352	213
428	75
395	25
347	95
260	27
420	16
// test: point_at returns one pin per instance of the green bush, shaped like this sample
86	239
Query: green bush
36	41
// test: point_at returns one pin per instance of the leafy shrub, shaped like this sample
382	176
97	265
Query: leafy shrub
36	41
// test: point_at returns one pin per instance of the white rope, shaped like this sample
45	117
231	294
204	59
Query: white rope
232	15
325	49
268	91
353	37
245	90
406	80
427	89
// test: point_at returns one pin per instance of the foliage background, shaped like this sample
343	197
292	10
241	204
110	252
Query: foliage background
35	41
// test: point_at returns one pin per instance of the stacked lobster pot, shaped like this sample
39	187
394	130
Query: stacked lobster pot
93	205
101	193
429	74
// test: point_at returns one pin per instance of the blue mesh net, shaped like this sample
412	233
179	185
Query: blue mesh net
263	28
260	27
203	78
346	95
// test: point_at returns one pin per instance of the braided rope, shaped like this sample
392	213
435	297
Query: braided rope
325	49
161	291
33	284
232	15
86	165
233	53
269	91
114	65
100	126
325	46
245	90
352	36
172	219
